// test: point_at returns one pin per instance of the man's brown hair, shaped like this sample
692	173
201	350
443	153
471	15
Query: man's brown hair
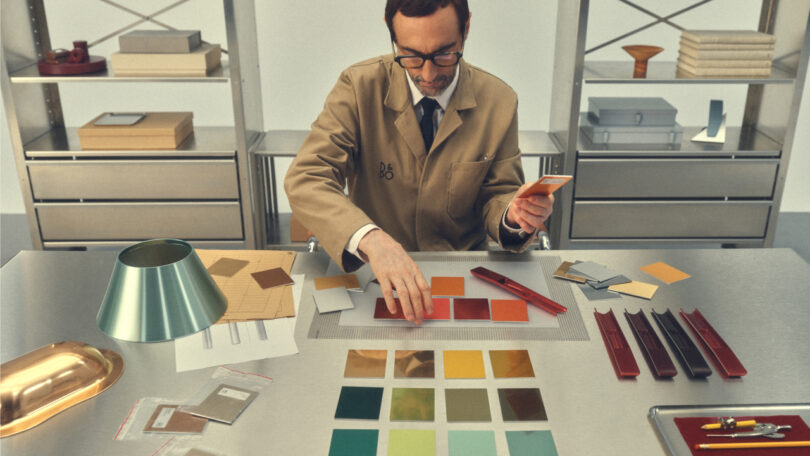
421	8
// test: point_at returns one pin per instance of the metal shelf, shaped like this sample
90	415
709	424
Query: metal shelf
204	142
606	72
30	75
752	143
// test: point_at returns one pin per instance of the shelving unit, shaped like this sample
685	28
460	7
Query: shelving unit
687	192
201	192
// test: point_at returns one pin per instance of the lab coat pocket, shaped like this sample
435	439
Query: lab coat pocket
465	183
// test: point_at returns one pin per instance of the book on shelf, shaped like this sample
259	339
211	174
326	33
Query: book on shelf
725	54
156	130
720	63
160	41
196	63
726	46
728	37
684	70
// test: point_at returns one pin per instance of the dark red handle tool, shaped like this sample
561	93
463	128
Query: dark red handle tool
517	289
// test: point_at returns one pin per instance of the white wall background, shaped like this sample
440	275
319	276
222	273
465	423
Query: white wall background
305	44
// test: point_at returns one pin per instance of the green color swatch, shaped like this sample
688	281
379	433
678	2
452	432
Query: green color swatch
530	443
471	443
359	402
469	404
354	442
412	404
410	442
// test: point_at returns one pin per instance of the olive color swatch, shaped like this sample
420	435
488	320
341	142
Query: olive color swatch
463	364
468	404
354	442
414	364
411	442
510	310
365	364
412	404
471	443
521	404
530	443
227	267
471	309
359	402
511	363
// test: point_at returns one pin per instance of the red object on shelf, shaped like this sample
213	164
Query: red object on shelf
722	356
76	61
517	289
692	434
617	347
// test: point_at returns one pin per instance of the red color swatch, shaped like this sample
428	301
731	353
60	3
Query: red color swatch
471	308
441	309
381	311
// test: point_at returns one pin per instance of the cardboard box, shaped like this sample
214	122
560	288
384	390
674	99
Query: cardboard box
157	130
197	63
160	41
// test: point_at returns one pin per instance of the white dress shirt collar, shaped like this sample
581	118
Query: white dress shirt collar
443	99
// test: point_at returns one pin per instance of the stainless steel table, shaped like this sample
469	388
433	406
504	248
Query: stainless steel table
756	299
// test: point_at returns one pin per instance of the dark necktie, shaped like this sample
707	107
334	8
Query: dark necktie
426	124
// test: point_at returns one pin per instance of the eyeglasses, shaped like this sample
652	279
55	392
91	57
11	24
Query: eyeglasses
441	59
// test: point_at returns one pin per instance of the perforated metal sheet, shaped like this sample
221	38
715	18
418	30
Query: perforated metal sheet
571	325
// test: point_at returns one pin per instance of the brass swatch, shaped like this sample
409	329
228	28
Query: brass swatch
414	364
511	363
365	364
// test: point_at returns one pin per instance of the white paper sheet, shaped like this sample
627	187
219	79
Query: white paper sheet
240	342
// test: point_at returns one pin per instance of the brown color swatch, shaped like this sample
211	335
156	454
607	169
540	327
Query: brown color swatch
227	267
470	309
511	363
365	364
414	364
271	278
168	419
447	286
348	281
381	311
521	404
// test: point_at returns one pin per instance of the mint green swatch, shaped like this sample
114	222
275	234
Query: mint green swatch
410	442
530	443
471	443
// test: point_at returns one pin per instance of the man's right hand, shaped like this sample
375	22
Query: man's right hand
395	270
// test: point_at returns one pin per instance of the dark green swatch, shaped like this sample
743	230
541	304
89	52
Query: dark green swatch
521	404
359	402
354	442
469	404
530	443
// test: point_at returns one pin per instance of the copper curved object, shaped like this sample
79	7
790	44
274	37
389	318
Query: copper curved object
46	381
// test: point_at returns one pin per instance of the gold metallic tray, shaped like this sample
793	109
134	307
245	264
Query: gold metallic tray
46	381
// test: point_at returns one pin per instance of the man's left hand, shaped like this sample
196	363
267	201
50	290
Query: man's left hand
529	212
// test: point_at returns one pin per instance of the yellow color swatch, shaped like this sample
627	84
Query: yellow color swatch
463	364
665	272
638	289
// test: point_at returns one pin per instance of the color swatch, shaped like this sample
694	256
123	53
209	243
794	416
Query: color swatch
414	364
347	281
665	272
411	442
332	300
510	310
634	288
270	278
359	402
521	404
227	267
354	442
381	311
471	309
468	404
412	404
365	364
441	309
447	286
511	363
463	364
530	443
471	443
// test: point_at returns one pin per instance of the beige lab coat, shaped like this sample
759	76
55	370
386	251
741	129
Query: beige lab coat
368	137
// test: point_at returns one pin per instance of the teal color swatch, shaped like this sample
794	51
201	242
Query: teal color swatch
411	442
359	402
530	443
471	443
354	442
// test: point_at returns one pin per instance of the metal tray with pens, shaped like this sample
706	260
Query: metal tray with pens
662	418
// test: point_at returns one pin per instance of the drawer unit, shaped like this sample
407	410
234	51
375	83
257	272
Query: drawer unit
675	178
669	219
134	179
133	221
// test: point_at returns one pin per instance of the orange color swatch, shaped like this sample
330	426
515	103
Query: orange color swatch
463	364
441	309
447	286
512	310
665	272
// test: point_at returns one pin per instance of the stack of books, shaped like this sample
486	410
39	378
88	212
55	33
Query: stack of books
164	53
725	53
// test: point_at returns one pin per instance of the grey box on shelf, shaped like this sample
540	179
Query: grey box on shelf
630	134
160	41
640	111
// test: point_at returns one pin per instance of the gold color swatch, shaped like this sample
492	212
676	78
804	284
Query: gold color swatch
463	364
562	273
665	272
511	363
638	289
414	364
348	281
365	364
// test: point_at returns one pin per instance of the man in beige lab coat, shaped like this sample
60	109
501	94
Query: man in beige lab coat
428	145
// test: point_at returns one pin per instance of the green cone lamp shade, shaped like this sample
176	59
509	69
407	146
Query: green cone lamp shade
159	290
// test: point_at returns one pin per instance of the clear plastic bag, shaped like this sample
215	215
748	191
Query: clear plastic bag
226	394
149	419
